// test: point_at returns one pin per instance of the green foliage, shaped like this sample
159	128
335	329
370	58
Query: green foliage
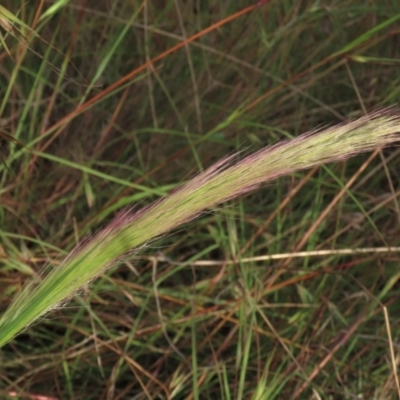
220	182
283	294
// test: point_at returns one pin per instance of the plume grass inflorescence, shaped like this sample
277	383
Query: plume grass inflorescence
225	180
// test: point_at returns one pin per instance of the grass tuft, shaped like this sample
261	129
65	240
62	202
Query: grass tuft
291	292
223	181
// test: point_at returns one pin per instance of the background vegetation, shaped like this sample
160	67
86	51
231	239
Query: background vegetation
202	313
